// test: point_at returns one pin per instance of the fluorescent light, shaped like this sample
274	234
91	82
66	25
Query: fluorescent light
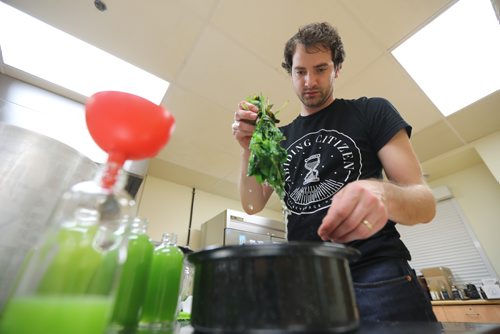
53	55
455	58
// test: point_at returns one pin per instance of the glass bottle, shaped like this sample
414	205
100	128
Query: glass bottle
68	283
163	292
187	290
134	277
454	293
444	293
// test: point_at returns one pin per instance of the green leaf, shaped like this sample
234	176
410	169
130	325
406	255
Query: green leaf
266	153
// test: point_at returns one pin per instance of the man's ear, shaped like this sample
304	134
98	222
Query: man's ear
337	72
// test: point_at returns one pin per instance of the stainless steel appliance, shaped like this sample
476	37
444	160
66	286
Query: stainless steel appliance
34	171
232	227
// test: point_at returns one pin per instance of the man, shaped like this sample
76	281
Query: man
336	150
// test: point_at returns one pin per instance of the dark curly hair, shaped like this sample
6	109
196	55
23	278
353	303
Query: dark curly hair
315	36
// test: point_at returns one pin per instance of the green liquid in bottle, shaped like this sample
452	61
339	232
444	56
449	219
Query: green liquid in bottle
162	296
57	315
133	282
72	269
68	284
72	295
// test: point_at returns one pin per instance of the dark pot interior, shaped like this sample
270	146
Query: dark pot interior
292	287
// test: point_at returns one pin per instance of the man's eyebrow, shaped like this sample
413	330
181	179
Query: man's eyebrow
322	65
315	66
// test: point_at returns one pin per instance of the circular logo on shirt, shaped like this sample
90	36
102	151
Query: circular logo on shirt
318	165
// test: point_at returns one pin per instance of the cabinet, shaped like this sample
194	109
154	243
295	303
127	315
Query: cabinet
467	311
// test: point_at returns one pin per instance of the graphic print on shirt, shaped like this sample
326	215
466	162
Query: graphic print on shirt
318	165
311	164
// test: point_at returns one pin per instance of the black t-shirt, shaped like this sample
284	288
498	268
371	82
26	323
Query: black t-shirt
330	149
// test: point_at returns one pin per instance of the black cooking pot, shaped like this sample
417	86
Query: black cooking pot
296	287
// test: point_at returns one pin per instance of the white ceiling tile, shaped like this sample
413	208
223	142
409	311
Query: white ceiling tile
200	120
435	140
478	119
450	163
154	35
216	52
203	8
360	47
389	21
200	157
225	73
385	78
252	23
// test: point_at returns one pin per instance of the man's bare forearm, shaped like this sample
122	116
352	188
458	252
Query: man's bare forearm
409	204
253	195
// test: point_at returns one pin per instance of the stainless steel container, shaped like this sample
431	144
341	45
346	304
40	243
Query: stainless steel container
34	172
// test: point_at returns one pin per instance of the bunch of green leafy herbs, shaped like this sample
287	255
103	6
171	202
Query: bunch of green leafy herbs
267	156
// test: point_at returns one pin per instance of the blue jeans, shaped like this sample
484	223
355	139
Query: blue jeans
388	290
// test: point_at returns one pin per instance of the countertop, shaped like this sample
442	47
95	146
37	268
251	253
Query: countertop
391	328
466	302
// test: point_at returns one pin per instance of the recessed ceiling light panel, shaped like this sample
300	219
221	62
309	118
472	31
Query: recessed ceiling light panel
455	58
41	50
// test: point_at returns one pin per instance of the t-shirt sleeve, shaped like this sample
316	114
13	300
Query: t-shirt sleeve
384	122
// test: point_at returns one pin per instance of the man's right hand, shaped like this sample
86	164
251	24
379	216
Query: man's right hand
244	123
253	195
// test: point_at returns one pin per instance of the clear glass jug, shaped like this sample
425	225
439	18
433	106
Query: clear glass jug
68	283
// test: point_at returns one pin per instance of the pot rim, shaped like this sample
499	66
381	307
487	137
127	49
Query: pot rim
292	248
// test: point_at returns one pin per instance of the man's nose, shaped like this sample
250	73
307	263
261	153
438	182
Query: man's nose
310	79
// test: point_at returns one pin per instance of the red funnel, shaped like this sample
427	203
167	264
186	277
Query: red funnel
126	126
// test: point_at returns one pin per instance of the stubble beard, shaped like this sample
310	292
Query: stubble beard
316	102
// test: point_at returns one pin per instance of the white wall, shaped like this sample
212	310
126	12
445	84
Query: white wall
167	206
478	194
488	149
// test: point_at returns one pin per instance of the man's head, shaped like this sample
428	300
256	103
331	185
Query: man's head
315	36
313	58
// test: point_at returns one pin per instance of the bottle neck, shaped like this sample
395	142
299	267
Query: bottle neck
111	176
139	226
169	239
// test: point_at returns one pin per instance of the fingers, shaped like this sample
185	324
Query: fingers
247	106
357	212
340	218
242	129
352	229
243	124
367	224
246	113
362	230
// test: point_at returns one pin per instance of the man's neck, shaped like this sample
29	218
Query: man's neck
305	111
